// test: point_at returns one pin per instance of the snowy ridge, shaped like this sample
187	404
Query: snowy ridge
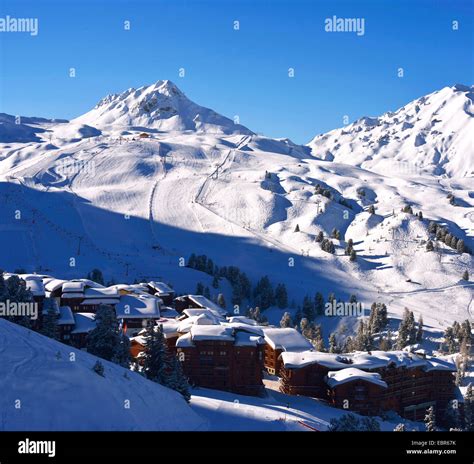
433	135
160	106
132	205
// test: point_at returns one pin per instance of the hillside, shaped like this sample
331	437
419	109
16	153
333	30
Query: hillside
93	190
57	392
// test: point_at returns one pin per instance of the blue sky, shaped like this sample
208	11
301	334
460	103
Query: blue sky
242	72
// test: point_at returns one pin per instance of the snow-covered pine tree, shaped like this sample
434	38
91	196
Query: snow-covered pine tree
465	275
154	365
176	380
333	346
122	352
469	409
400	428
49	326
353	255
429	246
105	339
286	320
419	330
430	420
98	368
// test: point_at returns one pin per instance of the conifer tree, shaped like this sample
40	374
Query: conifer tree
333	346
281	296
319	304
419	330
221	301
286	320
49	326
106	340
430	420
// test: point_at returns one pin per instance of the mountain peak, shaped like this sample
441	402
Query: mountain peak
161	106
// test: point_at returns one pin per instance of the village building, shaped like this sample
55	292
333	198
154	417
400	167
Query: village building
219	357
414	383
66	323
163	291
198	301
84	323
357	390
278	340
82	298
137	311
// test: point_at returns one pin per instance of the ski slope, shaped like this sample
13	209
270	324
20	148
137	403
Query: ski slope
134	206
47	385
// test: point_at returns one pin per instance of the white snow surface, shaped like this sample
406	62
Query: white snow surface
59	394
203	185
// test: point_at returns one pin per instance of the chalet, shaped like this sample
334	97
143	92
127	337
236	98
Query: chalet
219	357
66	323
137	311
137	346
144	135
198	301
163	291
357	390
82	298
84	323
278	340
413	383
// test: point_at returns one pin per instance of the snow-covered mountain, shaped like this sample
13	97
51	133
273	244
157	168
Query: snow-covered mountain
93	190
433	134
47	385
160	106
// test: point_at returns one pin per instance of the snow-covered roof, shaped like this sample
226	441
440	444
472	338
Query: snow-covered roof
192	312
350	374
242	320
73	287
184	341
203	302
66	316
53	284
137	306
169	327
35	286
286	339
211	332
133	288
248	339
240	326
362	360
101	292
161	288
84	323
203	319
